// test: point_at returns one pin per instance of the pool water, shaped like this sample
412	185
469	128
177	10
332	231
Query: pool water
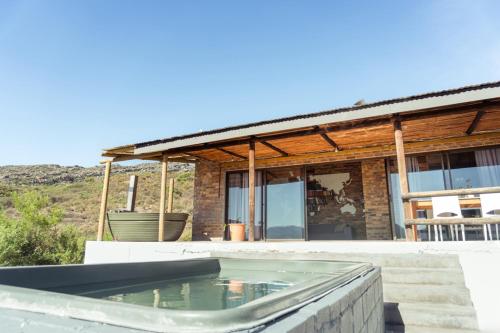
216	294
215	291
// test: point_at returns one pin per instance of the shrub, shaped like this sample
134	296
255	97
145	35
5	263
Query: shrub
36	235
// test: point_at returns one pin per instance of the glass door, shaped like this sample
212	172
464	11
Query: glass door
237	202
285	203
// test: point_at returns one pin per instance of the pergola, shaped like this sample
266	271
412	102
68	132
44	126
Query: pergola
461	118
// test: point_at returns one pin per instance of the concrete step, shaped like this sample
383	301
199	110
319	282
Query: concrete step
431	315
434	276
423	329
382	260
429	289
410	260
414	293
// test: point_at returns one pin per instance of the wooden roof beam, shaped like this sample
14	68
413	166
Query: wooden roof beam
199	157
327	139
286	135
273	147
330	141
475	122
231	153
330	128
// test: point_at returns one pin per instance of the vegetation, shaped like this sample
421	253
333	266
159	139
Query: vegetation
36	236
68	210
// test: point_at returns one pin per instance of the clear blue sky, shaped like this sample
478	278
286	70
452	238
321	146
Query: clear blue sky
78	76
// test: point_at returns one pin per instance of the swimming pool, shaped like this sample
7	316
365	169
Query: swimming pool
209	294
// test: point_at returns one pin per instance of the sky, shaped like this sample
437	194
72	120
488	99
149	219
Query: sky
80	76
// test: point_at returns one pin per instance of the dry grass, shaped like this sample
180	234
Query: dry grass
81	200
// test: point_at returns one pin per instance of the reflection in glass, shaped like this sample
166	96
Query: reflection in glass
475	169
425	173
237	201
443	171
285	203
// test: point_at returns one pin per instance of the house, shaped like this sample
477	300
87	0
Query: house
333	175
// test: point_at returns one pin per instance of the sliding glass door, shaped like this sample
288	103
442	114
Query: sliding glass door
285	203
237	201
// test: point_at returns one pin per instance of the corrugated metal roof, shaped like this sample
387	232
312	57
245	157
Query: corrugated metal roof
398	105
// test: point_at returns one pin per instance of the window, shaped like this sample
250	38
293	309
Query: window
285	203
237	201
443	171
480	168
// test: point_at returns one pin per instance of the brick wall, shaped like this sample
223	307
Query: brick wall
377	215
333	210
209	198
209	201
208	205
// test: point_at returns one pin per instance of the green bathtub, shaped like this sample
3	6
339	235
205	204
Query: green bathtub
143	227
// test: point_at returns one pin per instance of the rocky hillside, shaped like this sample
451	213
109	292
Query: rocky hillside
78	189
48	174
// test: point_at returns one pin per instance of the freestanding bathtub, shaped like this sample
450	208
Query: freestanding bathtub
143	227
196	295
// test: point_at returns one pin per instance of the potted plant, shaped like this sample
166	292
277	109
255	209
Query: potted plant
237	230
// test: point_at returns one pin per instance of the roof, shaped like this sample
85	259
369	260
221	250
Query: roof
444	98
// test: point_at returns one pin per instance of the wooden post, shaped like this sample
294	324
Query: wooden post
163	188
170	204
251	191
132	192
403	178
104	201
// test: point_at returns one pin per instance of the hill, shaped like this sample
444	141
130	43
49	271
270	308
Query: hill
77	190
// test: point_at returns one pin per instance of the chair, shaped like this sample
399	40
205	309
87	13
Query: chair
490	207
447	207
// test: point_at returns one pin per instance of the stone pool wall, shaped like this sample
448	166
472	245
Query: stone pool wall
355	308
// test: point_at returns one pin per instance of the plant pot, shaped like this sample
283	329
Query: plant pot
236	286
237	232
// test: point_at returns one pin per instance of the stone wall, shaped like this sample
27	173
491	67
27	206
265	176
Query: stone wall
354	308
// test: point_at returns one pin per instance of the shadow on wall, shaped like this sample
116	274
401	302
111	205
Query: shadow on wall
393	319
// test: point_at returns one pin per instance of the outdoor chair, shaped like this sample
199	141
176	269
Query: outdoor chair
447	207
490	207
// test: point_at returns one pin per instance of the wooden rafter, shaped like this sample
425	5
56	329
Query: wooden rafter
273	147
330	141
381	151
358	124
327	138
199	157
237	142
293	134
231	153
475	122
